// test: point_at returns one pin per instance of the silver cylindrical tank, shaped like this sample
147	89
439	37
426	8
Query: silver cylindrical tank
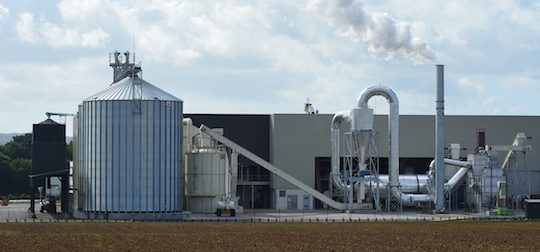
130	150
206	180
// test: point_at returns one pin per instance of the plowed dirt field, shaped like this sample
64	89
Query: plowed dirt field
361	236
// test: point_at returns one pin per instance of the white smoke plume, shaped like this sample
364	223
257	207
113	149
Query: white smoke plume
378	31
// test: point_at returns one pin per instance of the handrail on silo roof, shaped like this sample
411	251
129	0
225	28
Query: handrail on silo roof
122	66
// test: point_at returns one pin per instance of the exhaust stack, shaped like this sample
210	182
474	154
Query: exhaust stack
439	141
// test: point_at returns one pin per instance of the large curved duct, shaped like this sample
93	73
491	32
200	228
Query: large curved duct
402	188
393	126
411	199
393	140
460	174
417	188
393	143
453	162
337	120
411	183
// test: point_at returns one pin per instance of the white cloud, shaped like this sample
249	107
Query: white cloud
159	46
83	11
459	23
467	85
4	11
191	30
520	83
213	38
64	78
493	94
479	84
5	84
53	86
94	38
25	28
526	16
530	47
56	36
415	102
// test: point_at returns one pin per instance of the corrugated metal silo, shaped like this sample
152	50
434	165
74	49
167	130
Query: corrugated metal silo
130	149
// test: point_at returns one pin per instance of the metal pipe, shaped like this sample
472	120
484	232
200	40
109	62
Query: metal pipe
452	162
337	120
439	141
393	139
188	123
416	183
393	128
409	196
410	199
393	179
447	161
228	196
416	188
460	174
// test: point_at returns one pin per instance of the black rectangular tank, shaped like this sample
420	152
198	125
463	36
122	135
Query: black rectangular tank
48	147
532	209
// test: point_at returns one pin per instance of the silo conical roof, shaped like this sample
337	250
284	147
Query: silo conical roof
125	90
49	121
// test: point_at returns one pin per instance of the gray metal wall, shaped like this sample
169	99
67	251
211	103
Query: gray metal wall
296	139
130	162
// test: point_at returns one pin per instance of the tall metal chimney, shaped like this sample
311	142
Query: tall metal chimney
439	141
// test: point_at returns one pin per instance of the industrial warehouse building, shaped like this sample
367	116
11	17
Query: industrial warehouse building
299	144
138	156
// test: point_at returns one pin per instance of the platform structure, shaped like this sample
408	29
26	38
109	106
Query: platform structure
361	168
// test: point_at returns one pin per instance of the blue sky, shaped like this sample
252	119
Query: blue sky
268	56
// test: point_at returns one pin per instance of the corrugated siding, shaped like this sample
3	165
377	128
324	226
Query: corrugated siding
130	162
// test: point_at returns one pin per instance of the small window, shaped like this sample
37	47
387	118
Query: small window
282	193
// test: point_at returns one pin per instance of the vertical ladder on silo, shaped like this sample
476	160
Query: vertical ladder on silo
137	95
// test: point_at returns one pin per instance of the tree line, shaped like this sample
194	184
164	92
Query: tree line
16	166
